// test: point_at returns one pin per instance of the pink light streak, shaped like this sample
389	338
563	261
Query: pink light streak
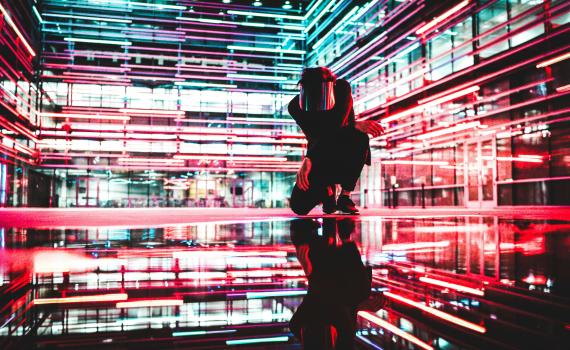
454	286
554	60
425	103
82	299
230	158
17	31
395	330
442	17
437	313
149	303
563	88
150	111
85	116
414	162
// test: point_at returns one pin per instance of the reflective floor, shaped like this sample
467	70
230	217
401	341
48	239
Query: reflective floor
467	282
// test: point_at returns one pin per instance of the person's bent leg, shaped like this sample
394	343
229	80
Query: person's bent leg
353	153
303	201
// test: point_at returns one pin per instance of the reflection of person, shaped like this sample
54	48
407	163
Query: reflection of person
338	284
338	145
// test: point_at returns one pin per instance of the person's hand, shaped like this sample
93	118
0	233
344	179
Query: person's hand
303	174
370	127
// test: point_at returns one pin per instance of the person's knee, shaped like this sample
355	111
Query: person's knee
298	203
300	209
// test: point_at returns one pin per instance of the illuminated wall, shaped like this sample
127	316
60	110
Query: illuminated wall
168	94
166	103
473	94
19	121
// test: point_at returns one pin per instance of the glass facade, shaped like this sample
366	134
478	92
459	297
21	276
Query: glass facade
472	106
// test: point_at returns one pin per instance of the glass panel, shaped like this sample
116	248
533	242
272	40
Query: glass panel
487	165
472	172
475	234
491	25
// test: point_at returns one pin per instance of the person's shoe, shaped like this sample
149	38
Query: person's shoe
346	206
329	203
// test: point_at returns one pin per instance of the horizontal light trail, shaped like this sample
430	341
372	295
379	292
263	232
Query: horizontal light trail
265	49
563	88
219	22
151	111
257	340
442	17
98	41
85	116
89	18
253	77
274	294
554	60
199	84
413	162
150	160
395	330
454	286
229	158
193	333
82	299
17	31
519	159
149	303
432	102
449	130
264	14
435	312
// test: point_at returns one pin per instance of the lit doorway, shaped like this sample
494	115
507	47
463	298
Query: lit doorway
480	173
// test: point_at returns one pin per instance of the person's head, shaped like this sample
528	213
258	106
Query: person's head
317	89
316	75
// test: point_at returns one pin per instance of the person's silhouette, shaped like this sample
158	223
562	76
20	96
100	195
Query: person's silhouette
338	283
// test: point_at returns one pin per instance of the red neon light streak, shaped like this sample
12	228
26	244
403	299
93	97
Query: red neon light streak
423	104
149	160
442	17
397	331
417	245
554	60
455	286
519	159
86	116
149	303
15	28
563	88
414	162
230	158
82	299
440	314
449	130
150	111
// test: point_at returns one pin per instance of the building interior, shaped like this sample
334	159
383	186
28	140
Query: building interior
148	157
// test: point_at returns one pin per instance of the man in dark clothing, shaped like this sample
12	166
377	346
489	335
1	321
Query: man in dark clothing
338	146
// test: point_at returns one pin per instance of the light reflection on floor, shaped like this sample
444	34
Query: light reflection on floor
450	283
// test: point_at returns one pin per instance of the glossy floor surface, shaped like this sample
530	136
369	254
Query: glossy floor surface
440	282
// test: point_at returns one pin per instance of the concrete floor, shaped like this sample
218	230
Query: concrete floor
161	217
